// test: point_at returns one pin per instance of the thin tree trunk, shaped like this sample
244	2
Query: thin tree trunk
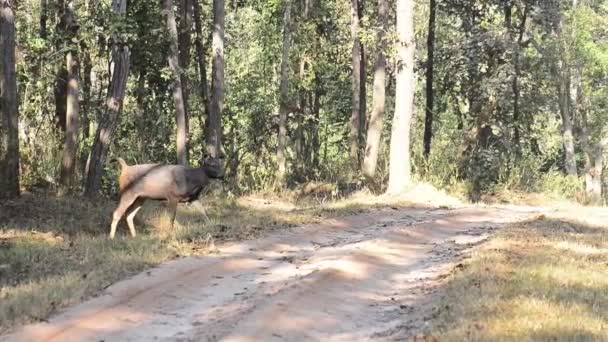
86	90
400	173
430	96
517	75
316	144
563	70
363	115
43	18
185	43
284	91
355	118
70	147
9	115
374	131
214	136
178	96
201	58
140	113
594	162
114	101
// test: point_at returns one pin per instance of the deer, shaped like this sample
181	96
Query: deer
173	183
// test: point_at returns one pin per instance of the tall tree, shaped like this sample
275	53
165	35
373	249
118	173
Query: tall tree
400	173
374	130
119	72
185	44
430	63
563	93
9	126
201	59
214	127
72	105
178	96
357	110
70	145
284	96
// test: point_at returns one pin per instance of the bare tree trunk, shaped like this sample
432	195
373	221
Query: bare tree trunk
567	120
140	113
86	90
185	43
430	96
363	115
109	120
43	18
517	75
594	162
284	91
9	124
201	58
70	147
400	173
563	70
214	136
374	131
355	118
178	98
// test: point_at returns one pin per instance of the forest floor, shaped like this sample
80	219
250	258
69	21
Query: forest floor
379	268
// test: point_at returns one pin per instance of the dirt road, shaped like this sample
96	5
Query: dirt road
366	276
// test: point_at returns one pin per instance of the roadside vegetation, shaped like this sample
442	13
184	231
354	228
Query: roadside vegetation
545	280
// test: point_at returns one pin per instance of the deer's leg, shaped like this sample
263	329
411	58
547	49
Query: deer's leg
123	205
133	209
173	209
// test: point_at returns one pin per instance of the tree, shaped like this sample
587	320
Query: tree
374	130
400	173
214	126
9	128
430	97
284	100
185	43
357	110
178	95
113	107
72	105
70	147
201	59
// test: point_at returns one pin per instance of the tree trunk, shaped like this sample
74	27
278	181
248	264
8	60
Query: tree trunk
567	120
284	91
400	173
178	95
43	18
594	162
214	136
430	45
356	111
374	131
564	74
70	147
363	115
140	119
185	43
109	119
86	90
516	76
9	115
201	58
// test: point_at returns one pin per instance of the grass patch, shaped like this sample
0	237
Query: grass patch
54	251
544	279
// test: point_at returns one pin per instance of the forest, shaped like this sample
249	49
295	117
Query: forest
470	96
371	154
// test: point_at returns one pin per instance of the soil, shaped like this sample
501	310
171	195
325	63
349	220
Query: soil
369	276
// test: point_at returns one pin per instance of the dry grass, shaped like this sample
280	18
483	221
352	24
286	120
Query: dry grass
545	279
54	251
